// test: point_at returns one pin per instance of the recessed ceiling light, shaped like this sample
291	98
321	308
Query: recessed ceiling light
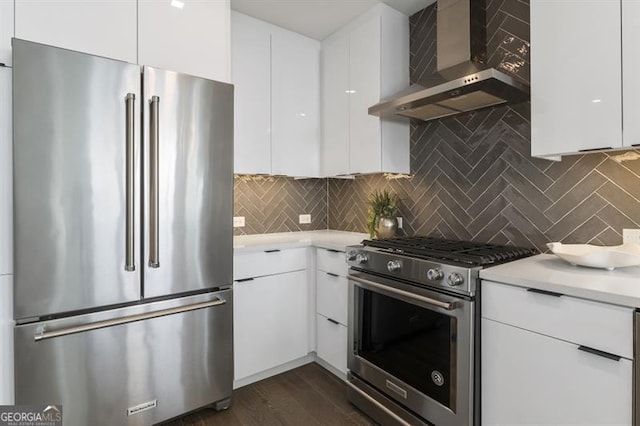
177	3
595	101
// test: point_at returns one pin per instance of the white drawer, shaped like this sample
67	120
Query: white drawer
332	343
597	325
332	292
332	261
268	262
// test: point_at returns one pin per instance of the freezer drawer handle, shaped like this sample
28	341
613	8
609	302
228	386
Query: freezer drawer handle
129	264
125	320
154	136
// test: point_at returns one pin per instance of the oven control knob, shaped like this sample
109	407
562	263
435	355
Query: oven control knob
351	255
394	265
361	258
455	279
435	274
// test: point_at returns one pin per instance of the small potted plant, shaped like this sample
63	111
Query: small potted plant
382	222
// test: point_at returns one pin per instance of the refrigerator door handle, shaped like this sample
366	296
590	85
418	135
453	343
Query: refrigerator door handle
154	134
43	334
130	173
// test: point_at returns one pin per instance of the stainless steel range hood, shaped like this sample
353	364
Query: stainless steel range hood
463	82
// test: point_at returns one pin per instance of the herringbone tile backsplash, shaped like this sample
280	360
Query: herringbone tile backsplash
472	176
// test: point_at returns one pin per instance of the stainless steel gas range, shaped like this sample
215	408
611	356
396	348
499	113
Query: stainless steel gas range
414	328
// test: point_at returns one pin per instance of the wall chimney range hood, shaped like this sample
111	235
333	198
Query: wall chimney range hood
463	81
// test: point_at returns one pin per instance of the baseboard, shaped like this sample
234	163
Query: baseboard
307	359
331	369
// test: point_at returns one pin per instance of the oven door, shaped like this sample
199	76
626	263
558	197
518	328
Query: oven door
414	345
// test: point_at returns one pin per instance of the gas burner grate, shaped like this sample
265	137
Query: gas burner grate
476	254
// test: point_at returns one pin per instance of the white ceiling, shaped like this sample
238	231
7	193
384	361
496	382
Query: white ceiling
318	18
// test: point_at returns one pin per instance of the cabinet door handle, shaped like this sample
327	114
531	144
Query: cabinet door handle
333	321
331	274
333	250
603	354
272	251
243	280
545	292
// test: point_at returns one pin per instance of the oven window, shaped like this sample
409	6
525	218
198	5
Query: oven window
412	343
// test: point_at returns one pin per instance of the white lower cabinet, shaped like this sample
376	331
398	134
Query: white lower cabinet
6	340
529	378
270	319
332	342
332	289
553	359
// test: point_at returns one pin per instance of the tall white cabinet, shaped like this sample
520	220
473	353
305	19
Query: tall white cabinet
584	87
6	240
277	104
364	62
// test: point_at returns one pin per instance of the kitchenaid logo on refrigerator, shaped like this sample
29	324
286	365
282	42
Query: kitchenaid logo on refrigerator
30	415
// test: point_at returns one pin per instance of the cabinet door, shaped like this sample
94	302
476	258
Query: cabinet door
6	31
6	173
332	294
193	38
332	342
295	104
270	322
335	107
575	76
630	73
251	75
100	27
529	378
364	91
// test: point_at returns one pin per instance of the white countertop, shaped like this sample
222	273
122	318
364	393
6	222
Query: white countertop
548	272
334	240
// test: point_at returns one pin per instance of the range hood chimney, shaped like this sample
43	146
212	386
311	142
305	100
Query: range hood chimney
463	82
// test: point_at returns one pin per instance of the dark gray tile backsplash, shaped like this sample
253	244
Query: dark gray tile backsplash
472	176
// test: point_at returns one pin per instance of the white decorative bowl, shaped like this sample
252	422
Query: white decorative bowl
598	256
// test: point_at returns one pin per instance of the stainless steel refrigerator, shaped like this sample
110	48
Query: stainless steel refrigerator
123	184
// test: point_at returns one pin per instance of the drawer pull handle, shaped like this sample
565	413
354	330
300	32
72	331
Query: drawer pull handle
333	250
242	280
545	292
333	321
272	251
603	354
331	274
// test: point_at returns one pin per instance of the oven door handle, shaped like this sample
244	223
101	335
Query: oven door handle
445	305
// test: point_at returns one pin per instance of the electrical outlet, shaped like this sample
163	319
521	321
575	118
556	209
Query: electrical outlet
631	236
238	221
304	218
399	219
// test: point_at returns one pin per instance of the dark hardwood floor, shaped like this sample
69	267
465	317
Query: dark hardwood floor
308	395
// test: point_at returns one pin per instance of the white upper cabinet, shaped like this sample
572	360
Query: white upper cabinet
630	73
581	77
335	107
365	62
251	76
276	74
193	38
100	27
295	104
6	31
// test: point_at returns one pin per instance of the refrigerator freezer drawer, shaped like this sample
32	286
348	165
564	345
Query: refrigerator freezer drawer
130	366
